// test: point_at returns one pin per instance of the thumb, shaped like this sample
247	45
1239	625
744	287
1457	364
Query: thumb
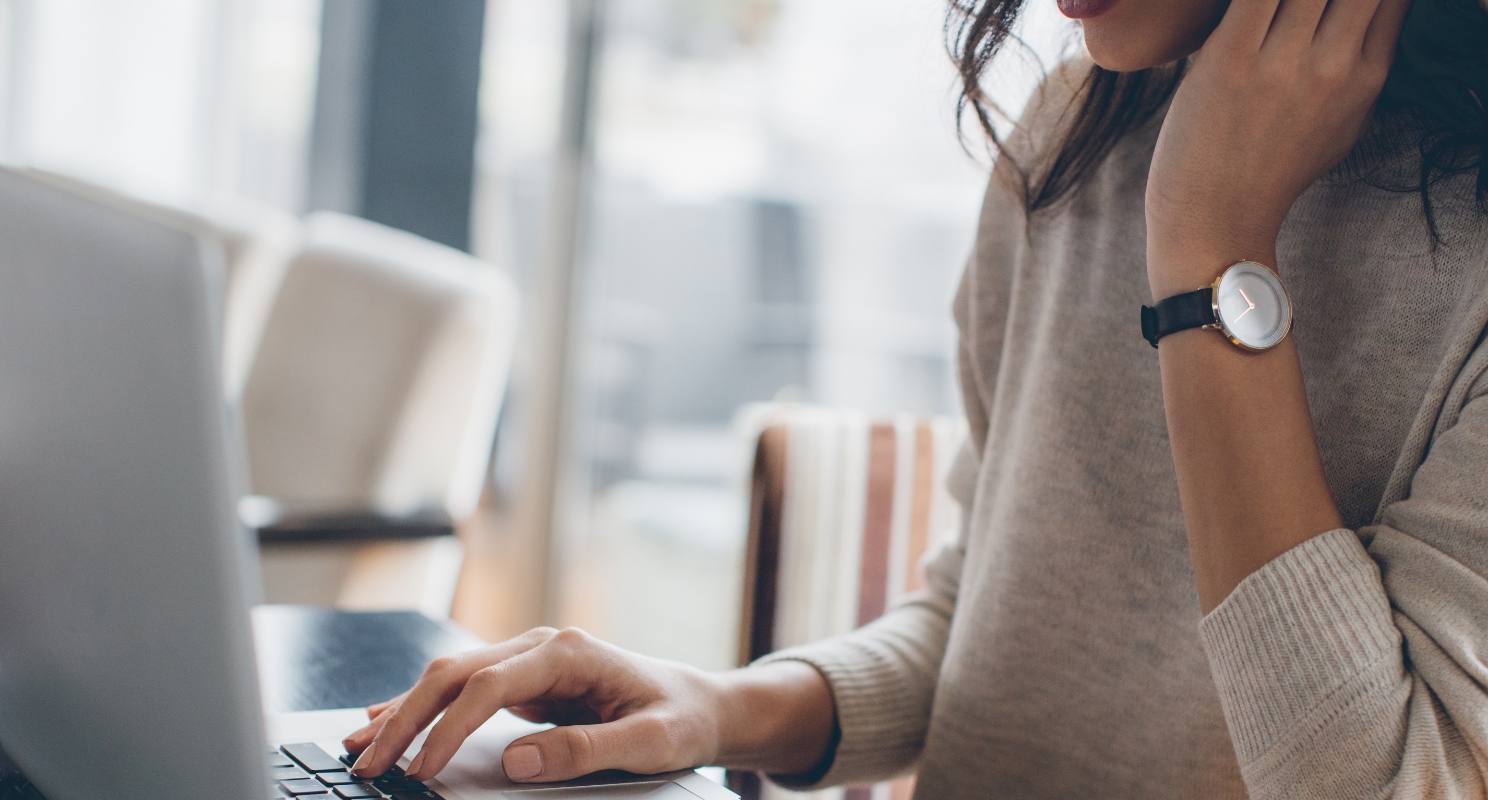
644	744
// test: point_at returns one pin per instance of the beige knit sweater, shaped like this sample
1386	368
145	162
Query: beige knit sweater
1060	653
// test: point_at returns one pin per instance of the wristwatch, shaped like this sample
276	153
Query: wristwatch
1247	304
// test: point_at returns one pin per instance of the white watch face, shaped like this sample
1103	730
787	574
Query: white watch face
1252	307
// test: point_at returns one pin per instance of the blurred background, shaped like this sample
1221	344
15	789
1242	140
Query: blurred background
706	207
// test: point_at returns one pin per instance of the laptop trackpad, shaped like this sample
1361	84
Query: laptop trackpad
630	791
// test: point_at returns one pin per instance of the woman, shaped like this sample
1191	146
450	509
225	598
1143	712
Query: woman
1254	561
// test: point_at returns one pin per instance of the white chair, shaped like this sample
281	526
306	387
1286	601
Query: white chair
256	242
375	387
369	365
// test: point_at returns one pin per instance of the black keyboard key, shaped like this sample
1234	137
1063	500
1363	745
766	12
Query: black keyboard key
335	778
290	773
347	758
357	791
424	795
398	783
312	758
303	787
278	759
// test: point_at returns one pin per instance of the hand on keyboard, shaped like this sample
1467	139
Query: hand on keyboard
615	709
306	772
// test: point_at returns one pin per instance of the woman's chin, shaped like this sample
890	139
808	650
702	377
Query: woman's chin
1118	59
1118	53
1126	39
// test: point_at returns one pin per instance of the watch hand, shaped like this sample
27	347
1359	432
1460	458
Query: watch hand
1248	302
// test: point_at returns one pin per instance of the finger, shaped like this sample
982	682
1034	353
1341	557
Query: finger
1383	36
1344	24
440	684
376	709
516	681
378	714
1297	21
1244	26
534	712
645	744
357	742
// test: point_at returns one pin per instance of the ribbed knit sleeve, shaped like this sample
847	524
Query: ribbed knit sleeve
1348	671
883	683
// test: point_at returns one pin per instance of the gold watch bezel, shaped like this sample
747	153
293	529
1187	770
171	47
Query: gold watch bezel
1219	326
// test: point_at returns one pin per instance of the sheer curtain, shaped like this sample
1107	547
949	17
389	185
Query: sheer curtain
167	99
779	211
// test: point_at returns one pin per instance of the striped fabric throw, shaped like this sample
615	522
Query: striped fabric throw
843	509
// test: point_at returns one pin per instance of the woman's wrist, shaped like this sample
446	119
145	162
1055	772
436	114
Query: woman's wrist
1177	264
775	718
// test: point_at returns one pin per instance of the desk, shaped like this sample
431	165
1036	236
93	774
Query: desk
313	659
310	659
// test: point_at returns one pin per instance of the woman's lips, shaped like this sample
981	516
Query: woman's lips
1084	9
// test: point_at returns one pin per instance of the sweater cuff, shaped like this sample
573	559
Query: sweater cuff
874	721
1291	637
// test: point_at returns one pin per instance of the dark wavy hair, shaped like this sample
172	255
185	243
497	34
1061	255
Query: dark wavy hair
1438	84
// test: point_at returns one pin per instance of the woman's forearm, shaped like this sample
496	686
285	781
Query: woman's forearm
1278	94
775	718
1249	472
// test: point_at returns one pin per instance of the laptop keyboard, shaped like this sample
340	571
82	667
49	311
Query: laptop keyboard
300	771
306	772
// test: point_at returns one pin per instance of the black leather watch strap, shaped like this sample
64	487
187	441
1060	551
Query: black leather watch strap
1178	313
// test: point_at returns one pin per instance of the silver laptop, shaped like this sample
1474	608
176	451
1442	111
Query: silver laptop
126	657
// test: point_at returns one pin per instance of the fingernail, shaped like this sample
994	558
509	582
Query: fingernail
522	762
361	765
418	763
